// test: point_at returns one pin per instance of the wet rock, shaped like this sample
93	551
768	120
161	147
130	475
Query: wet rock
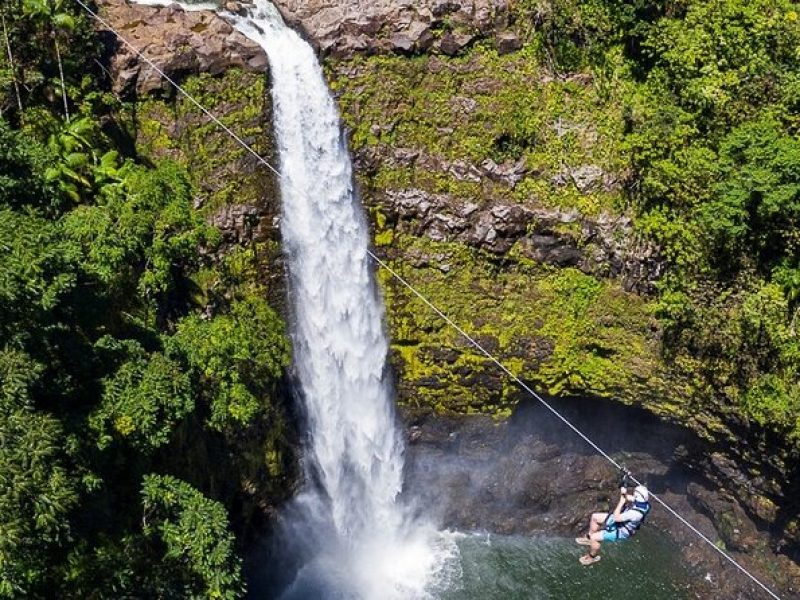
179	43
734	527
236	8
524	477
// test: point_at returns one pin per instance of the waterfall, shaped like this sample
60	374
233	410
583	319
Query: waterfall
363	542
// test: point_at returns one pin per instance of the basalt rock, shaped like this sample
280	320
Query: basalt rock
605	246
344	27
587	178
508	42
239	224
179	43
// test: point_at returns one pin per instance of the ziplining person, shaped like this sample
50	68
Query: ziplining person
617	526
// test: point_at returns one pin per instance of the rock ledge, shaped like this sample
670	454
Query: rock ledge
178	42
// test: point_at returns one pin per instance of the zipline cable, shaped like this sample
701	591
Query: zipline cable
433	307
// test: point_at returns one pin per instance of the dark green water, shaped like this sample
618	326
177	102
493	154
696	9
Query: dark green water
508	568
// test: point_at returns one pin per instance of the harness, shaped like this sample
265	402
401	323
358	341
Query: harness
630	526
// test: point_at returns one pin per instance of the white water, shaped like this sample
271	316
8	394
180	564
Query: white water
363	543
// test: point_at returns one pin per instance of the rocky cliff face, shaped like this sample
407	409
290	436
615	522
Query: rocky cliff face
228	74
523	476
343	27
604	246
179	43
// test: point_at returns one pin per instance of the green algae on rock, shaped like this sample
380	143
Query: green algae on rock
223	171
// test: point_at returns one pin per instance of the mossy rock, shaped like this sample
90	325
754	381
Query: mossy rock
222	170
563	331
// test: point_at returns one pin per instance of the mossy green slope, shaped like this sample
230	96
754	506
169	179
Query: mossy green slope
222	170
561	330
487	106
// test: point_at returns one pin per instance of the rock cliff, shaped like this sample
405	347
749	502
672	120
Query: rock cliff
344	27
178	42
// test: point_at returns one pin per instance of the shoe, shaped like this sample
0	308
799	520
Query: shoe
583	540
588	559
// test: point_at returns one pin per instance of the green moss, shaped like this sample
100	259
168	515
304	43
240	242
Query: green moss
486	106
223	171
561	330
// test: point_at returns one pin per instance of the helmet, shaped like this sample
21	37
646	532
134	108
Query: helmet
640	494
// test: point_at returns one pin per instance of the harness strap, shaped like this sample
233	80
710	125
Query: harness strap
630	526
633	526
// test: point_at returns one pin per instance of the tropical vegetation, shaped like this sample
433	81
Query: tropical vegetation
122	395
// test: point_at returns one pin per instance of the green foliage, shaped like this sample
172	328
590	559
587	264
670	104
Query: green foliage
561	330
51	44
195	535
97	258
22	169
756	208
37	270
238	356
221	171
18	373
788	277
143	227
768	335
143	401
721	58
772	401
73	150
36	496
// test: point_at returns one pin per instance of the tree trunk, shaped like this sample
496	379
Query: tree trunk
61	74
11	64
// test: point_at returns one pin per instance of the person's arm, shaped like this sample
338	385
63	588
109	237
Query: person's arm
623	497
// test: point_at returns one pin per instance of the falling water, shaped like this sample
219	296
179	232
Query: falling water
365	545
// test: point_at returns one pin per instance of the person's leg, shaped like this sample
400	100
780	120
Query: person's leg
597	521
594	542
594	548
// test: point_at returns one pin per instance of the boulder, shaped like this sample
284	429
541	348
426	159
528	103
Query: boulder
508	42
453	43
177	42
344	27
